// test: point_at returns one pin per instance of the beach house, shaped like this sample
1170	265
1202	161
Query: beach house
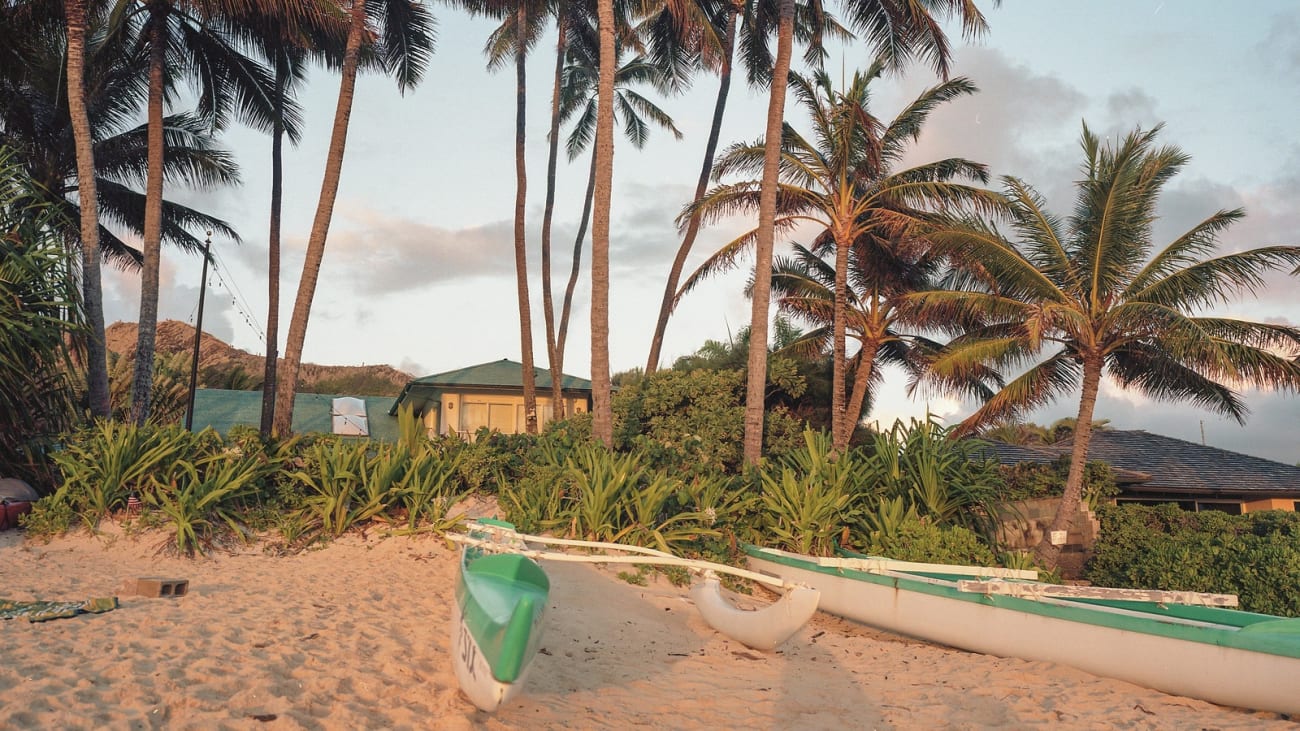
1151	469
487	395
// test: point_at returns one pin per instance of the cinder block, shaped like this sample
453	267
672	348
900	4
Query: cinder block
154	587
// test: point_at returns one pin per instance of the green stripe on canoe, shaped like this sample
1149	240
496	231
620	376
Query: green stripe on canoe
501	598
1283	640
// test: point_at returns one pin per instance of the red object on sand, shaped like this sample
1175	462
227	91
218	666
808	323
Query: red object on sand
12	510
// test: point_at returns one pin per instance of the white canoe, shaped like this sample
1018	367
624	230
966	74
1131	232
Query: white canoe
1219	655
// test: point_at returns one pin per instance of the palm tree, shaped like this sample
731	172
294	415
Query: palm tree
876	316
286	45
401	34
898	30
578	103
842	178
92	293
602	416
35	121
522	25
1090	295
715	44
189	39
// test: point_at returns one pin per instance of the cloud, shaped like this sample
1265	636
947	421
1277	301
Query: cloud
383	254
1016	124
177	299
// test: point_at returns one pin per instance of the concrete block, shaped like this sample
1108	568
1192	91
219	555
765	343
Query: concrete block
154	587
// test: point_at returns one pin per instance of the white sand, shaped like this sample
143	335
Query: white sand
355	636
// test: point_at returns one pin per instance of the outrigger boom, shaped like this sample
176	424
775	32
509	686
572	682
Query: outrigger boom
762	629
515	542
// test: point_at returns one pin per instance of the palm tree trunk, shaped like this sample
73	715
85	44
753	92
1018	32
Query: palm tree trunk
839	428
527	374
288	386
273	255
92	293
552	158
602	424
562	333
146	333
861	381
762	290
669	302
1047	554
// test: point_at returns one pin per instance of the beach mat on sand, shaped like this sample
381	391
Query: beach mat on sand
45	611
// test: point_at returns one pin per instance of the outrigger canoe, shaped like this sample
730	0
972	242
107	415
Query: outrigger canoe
1184	643
496	623
761	629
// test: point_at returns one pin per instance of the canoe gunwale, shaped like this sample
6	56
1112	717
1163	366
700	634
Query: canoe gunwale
1146	651
1225	635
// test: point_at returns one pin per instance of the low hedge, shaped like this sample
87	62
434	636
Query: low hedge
1255	556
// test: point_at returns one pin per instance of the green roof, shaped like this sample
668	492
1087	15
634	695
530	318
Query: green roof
222	409
502	373
499	375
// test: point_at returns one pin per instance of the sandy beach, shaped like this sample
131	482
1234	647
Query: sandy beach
355	635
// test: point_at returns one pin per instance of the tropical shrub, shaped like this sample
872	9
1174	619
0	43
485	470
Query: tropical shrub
809	496
1027	481
105	463
940	478
920	540
1255	556
40	315
199	499
691	420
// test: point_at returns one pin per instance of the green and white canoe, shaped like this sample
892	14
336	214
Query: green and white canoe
1183	643
496	623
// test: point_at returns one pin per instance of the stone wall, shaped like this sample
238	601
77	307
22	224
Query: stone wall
1023	525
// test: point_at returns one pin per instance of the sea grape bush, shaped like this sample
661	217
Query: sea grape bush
1255	556
1027	480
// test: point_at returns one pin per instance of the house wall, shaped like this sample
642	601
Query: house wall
466	413
1277	503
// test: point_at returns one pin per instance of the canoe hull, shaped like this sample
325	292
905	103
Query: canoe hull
496	624
1216	673
472	669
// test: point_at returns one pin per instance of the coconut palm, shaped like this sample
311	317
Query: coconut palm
842	178
1093	295
602	416
400	32
189	40
715	42
521	26
286	44
35	122
92	294
638	115
898	31
876	316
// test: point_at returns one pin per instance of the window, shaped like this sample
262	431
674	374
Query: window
473	416
348	417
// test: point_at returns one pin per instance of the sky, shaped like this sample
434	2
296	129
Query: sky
419	269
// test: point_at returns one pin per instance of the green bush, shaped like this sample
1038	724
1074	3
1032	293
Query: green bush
918	468
1255	556
923	541
1027	481
683	420
808	496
